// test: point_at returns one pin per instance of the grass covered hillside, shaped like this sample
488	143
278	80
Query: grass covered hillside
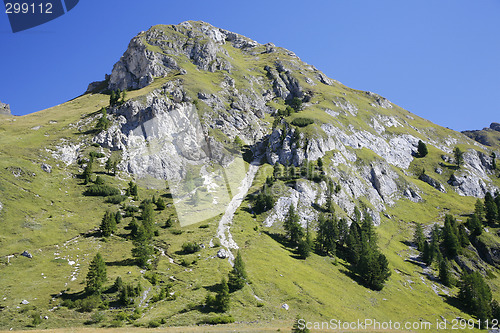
338	204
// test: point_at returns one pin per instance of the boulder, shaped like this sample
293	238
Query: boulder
27	254
25	302
222	253
46	167
285	306
432	182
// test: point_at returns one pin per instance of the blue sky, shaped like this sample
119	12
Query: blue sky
439	59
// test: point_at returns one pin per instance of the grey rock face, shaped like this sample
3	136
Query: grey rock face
222	254
4	109
432	182
495	126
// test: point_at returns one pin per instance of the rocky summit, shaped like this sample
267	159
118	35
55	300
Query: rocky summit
204	149
4	109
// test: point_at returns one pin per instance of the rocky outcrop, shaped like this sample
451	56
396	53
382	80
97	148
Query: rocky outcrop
489	136
472	179
495	126
5	109
432	182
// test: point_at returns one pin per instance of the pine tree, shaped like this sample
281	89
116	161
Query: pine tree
343	231
475	295
493	160
305	245
222	298
118	217
109	165
491	209
426	253
444	272
450	237
292	227
327	235
96	276
434	244
103	122
108	224
87	172
320	164
353	243
237	276
422	149
459	156
142	250
160	204
479	210
475	226
418	237
462	236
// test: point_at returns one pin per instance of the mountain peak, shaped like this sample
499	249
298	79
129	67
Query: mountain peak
166	49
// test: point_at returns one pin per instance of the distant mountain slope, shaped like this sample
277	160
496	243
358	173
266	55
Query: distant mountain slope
489	136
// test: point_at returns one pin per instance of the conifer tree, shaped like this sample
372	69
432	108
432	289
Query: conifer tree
87	172
103	122
160	204
426	253
327	235
142	250
222	300
418	237
474	225
479	210
118	217
475	295
237	276
343	231
450	237
422	149
491	209
353	243
292	227
96	276
444	272
108	224
459	156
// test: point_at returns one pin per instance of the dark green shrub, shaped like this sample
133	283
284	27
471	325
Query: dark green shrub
116	199
101	190
190	247
302	122
95	154
217	320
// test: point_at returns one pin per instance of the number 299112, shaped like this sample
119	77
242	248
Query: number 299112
26	8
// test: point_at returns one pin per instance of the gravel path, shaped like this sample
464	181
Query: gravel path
223	231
